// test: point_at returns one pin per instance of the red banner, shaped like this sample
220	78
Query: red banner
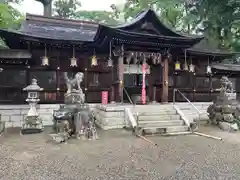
104	97
144	66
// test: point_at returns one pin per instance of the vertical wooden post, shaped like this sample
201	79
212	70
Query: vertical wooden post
150	84
120	78
112	95
165	81
194	86
120	75
154	94
210	88
86	78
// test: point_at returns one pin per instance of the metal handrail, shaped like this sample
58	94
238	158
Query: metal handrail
174	100
130	100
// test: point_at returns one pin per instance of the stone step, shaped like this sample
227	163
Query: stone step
160	123
159	117
160	113
154	111
162	129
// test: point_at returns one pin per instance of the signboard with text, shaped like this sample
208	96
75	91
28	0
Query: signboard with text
104	97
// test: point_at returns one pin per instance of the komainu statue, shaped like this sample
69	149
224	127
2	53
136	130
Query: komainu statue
74	92
226	85
75	117
76	81
225	110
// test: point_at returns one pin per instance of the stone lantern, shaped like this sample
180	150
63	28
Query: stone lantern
32	123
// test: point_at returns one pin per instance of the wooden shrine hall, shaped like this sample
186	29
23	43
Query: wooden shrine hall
143	56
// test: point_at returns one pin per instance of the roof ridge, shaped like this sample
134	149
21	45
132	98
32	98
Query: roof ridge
57	20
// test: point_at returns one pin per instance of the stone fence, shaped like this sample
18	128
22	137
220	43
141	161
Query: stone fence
13	115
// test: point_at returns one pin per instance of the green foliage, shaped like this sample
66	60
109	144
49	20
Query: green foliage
10	18
69	9
102	17
66	8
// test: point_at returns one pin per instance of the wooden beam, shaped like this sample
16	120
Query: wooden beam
14	54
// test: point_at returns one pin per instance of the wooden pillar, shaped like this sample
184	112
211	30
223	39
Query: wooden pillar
86	79
112	95
210	88
165	81
154	94
120	76
194	86
237	88
150	84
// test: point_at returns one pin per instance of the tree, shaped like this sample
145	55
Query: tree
47	6
218	19
66	8
69	9
10	18
103	17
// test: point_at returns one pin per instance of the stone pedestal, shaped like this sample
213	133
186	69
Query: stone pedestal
225	112
74	97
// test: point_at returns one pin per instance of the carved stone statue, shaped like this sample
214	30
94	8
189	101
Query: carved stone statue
75	117
226	85
74	92
225	110
76	81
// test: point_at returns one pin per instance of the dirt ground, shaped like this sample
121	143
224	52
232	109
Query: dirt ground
118	155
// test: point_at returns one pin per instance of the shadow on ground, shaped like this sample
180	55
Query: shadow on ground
118	156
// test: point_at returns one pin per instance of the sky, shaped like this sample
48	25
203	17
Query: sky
34	7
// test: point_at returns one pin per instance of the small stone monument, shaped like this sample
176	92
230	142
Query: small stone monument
32	122
225	110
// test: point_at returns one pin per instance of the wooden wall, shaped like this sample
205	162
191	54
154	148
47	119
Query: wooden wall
15	77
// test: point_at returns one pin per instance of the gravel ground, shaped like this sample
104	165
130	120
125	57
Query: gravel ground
118	156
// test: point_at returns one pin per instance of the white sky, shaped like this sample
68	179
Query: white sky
34	7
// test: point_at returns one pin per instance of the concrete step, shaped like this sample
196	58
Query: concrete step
160	123
159	117
160	113
162	129
149	110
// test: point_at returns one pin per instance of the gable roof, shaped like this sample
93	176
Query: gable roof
150	17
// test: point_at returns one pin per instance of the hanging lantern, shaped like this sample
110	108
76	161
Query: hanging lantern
185	66
94	60
159	58
191	68
154	58
73	62
135	59
45	61
209	70
110	62
177	66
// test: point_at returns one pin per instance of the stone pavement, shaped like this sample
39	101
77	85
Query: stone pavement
118	156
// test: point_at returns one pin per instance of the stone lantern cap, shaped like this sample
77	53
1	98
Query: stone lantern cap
33	87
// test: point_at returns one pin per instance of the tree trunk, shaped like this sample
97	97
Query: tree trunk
47	6
47	10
